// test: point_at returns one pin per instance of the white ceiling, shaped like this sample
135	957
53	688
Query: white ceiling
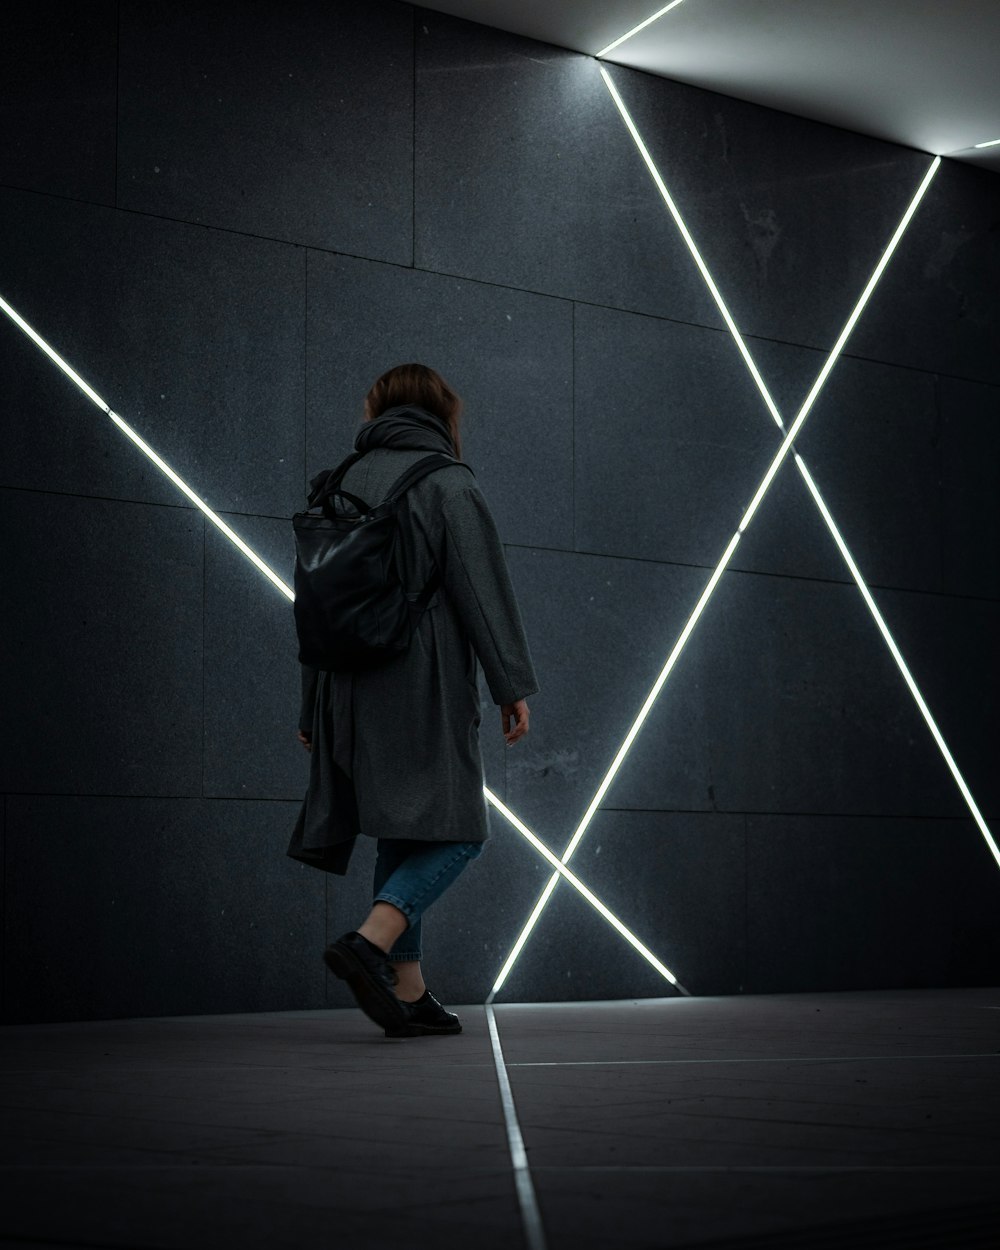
924	73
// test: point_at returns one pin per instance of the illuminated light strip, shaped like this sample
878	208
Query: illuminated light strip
592	899
706	594
272	576
144	447
900	662
776	462
717	294
845	334
714	291
642	26
800	464
990	143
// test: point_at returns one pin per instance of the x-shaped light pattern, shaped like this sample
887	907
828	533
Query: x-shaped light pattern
559	864
272	576
784	449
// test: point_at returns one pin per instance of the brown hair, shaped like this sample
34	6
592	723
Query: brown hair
423	388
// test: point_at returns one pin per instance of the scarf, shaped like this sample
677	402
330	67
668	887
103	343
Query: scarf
406	426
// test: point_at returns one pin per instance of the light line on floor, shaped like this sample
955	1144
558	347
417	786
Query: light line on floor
608	1063
530	1214
231	1166
768	1167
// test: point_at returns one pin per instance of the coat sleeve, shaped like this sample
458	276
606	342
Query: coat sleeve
477	581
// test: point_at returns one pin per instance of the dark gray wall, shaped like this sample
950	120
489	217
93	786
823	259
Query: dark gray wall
230	221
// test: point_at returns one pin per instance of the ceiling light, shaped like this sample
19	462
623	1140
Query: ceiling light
642	26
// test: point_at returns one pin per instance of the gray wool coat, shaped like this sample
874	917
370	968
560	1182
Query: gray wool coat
395	748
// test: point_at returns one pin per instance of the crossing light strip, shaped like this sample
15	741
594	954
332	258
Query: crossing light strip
289	593
800	463
562	870
560	866
786	445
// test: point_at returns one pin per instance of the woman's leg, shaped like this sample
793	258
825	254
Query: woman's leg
410	874
386	923
387	926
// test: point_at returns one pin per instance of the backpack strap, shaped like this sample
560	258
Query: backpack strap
424	466
416	471
427	464
325	484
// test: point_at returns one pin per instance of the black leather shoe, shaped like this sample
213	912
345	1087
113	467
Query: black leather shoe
370	976
426	1015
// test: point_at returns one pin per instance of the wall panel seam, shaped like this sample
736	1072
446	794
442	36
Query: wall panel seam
570	299
793	577
118	98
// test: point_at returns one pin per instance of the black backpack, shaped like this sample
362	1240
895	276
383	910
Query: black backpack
351	609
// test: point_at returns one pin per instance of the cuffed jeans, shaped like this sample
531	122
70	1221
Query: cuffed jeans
411	873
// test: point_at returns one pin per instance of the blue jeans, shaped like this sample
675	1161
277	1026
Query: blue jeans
411	873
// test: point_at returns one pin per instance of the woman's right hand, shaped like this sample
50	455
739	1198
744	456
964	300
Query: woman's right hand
519	711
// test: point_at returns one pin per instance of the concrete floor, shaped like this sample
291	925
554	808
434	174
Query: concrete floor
799	1120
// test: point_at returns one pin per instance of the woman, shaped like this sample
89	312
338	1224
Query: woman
397	754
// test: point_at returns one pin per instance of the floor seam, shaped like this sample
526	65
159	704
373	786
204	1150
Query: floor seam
530	1214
